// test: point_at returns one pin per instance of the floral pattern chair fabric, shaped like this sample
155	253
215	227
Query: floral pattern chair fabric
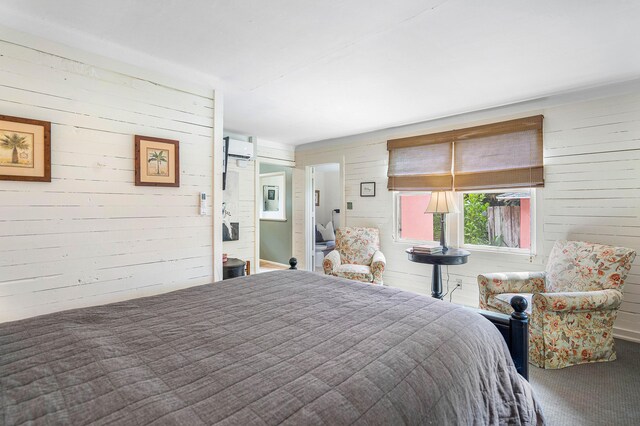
357	255
574	302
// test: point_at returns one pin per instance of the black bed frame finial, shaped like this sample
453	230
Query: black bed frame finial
520	335
515	331
294	262
519	305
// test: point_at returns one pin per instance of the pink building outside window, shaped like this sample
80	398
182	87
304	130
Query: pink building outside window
414	223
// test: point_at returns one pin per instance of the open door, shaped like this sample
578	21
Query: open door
324	198
310	213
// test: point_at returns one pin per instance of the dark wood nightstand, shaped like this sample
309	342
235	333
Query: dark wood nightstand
233	268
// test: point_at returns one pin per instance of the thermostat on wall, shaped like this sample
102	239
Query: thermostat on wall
203	204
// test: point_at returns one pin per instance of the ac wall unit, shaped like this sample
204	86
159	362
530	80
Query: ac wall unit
240	149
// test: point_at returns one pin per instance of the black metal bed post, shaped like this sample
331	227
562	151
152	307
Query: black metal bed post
519	331
293	262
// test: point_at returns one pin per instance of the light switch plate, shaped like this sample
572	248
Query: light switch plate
349	205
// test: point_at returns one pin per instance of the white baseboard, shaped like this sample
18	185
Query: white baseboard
625	334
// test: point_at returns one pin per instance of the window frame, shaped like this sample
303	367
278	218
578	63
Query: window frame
533	228
397	215
455	224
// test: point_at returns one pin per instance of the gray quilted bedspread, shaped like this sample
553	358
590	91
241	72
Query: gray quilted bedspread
283	347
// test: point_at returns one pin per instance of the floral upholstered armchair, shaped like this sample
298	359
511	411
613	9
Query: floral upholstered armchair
357	255
574	302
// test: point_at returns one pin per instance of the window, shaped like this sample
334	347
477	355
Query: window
500	218
412	223
496	220
494	169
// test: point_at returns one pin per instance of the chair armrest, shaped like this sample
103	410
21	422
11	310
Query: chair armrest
331	261
513	282
579	301
378	263
509	282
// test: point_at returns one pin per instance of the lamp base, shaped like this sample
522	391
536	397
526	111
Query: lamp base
443	242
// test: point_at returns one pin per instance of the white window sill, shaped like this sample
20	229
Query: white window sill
412	243
501	251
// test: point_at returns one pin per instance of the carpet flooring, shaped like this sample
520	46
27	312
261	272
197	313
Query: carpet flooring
603	393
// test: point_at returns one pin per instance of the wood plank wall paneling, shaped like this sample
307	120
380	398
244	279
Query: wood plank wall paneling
275	152
244	247
91	236
592	192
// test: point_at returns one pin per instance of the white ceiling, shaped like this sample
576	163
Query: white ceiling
297	71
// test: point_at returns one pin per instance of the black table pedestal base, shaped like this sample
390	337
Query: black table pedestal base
436	282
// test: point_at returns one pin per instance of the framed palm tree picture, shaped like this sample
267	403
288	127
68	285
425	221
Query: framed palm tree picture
25	149
157	162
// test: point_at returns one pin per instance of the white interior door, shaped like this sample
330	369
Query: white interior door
310	210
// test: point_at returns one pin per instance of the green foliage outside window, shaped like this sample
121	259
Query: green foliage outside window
437	226
475	223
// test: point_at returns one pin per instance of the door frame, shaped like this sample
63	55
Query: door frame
309	209
258	161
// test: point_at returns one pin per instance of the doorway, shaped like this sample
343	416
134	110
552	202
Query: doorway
325	195
274	195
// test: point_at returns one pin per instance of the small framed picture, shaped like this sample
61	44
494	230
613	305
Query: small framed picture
367	189
274	194
25	149
317	198
157	162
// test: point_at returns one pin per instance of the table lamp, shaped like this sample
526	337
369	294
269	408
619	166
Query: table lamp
442	202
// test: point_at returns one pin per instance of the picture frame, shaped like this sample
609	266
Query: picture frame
25	149
367	189
273	193
157	161
317	197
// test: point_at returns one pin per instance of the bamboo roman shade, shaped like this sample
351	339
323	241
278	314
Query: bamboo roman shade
421	166
499	155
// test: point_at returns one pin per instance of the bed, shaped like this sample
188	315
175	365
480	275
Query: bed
288	347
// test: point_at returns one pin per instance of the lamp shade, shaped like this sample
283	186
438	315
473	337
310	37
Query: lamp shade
441	202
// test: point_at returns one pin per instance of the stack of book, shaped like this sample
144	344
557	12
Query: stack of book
427	249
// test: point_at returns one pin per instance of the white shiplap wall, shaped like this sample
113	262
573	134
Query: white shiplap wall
91	236
276	153
244	247
592	190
